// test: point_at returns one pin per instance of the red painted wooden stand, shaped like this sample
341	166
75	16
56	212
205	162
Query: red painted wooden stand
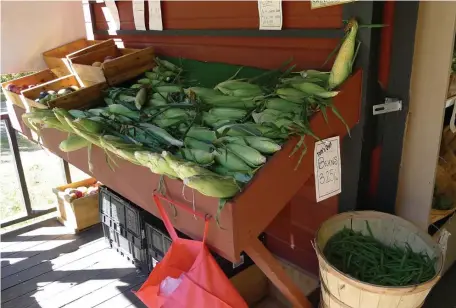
244	218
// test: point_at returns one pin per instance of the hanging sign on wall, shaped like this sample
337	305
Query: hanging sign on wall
270	13
112	15
317	4
327	168
155	15
138	14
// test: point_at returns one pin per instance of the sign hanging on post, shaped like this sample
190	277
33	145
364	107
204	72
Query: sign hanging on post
270	13
112	16
327	168
138	15
155	15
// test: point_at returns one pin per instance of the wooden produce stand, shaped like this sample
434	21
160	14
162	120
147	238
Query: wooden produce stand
244	218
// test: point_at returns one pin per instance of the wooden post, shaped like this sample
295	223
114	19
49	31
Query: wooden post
272	269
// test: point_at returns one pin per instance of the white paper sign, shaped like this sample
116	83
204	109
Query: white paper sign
155	15
270	12
316	4
112	15
327	168
138	14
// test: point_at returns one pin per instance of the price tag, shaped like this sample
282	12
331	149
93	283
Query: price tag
138	15
270	12
327	168
155	15
316	4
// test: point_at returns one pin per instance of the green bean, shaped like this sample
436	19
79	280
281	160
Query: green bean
367	259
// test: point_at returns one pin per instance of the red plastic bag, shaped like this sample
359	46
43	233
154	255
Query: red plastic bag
203	283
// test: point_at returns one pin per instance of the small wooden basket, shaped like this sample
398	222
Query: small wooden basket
56	59
80	213
127	64
82	98
36	79
341	290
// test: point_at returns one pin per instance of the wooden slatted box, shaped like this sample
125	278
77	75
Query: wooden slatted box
126	64
33	79
83	98
56	59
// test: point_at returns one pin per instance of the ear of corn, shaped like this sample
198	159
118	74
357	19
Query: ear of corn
154	102
342	66
73	143
155	162
314	89
198	156
230	139
140	98
203	92
235	85
168	89
161	134
231	161
183	168
230	101
262	144
124	111
90	126
165	123
193	143
201	133
291	95
228	113
213	185
251	156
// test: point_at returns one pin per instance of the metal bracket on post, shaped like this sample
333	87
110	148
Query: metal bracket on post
390	105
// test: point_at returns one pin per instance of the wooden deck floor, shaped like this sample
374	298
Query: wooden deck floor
46	266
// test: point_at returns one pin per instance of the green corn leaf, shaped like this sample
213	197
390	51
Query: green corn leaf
221	205
297	146
303	152
336	112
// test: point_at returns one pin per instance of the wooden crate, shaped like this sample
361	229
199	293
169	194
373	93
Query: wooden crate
37	78
128	63
56	59
82	98
80	213
437	215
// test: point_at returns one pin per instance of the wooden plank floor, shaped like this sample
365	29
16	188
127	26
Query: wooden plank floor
45	266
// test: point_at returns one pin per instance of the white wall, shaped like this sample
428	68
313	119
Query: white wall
28	28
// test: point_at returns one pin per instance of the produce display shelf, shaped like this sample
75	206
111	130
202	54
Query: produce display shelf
246	216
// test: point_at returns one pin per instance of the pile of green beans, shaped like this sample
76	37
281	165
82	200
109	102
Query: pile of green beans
367	259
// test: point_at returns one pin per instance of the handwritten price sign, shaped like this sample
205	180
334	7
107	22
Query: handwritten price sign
327	168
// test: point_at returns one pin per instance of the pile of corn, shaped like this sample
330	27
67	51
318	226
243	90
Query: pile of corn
213	139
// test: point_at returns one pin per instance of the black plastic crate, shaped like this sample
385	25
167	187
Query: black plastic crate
104	202
136	255
158	243
124	215
108	230
134	220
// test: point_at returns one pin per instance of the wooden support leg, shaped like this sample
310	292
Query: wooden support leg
272	269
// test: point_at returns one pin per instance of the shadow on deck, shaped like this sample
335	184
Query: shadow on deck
45	266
